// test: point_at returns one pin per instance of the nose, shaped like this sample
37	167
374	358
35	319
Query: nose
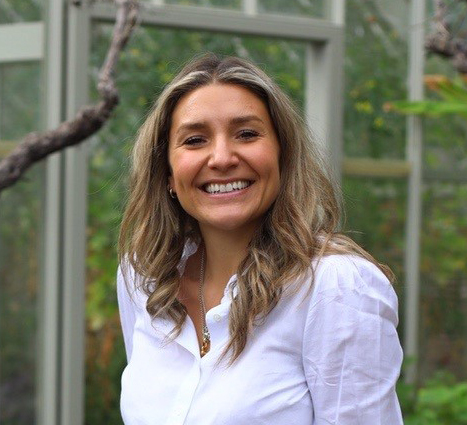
223	155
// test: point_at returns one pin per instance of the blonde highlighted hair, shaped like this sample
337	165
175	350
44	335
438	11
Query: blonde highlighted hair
302	224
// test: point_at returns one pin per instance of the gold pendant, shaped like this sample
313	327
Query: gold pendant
205	347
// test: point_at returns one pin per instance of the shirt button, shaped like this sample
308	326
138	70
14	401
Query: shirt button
217	317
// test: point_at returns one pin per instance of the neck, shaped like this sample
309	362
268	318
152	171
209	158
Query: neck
224	253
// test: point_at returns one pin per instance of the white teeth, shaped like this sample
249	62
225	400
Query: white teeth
229	187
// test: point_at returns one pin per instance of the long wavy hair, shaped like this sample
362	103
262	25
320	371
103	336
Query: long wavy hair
301	225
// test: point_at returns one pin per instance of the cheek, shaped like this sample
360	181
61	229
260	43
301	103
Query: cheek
267	161
274	167
183	170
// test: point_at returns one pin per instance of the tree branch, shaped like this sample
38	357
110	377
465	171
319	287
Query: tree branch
88	120
443	42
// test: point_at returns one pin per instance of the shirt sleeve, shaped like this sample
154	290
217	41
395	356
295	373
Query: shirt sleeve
126	307
351	354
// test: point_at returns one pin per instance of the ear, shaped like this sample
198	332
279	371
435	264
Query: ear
171	182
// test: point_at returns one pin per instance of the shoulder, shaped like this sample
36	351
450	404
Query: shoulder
354	281
347	271
129	285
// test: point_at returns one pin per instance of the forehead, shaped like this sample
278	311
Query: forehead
217	99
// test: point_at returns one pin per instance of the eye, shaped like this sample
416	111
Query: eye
193	141
248	134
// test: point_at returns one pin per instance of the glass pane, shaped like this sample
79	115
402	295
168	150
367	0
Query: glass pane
443	266
150	61
375	73
19	85
312	8
20	229
375	218
20	11
225	4
444	145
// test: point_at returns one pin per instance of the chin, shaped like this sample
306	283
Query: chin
231	224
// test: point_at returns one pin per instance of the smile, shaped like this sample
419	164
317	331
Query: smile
225	188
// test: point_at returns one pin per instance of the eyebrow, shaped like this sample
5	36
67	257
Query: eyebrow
246	118
199	125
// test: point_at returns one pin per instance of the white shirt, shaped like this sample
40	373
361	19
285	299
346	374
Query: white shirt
329	355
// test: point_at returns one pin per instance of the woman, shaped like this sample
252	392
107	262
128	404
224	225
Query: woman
239	301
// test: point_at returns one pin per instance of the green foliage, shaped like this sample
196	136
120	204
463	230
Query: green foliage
375	67
443	263
382	231
452	99
375	71
20	111
429	107
371	207
442	401
20	11
105	360
20	254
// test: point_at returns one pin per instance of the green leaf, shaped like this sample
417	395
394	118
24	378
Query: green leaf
452	90
430	107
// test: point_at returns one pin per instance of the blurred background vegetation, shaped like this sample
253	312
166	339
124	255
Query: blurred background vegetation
375	73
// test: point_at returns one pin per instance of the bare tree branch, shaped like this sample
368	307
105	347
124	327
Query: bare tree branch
88	120
442	41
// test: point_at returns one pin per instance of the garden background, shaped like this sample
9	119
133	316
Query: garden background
375	73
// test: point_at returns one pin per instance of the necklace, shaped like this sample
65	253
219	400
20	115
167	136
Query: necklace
206	344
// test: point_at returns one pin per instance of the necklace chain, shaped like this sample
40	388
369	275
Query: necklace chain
206	343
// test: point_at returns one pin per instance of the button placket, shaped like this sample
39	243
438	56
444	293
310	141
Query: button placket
185	396
217	321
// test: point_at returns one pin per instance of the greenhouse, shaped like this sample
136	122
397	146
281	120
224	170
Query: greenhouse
348	65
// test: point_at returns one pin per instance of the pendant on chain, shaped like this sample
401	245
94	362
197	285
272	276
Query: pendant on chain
206	345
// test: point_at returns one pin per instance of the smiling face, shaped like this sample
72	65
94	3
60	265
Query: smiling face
224	157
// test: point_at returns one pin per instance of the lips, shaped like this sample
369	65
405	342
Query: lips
232	186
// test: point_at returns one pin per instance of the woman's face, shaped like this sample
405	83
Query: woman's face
224	157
